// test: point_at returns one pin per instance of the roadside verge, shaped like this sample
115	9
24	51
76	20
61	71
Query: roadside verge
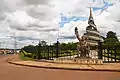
48	65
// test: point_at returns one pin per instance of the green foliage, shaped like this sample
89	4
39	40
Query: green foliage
23	56
67	46
41	50
30	49
43	43
111	39
111	34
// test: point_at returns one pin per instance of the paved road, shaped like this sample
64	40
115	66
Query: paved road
14	72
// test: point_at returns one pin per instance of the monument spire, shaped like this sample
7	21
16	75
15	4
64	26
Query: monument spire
90	13
91	20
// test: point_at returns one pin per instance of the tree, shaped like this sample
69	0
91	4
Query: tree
30	51
43	43
111	38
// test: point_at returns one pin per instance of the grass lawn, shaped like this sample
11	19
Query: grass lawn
22	57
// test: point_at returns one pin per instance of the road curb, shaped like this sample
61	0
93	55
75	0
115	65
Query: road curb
62	68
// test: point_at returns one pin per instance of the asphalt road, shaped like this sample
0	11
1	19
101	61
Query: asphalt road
14	72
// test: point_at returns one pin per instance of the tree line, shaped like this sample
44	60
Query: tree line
34	51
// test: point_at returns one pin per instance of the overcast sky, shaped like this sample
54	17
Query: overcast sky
34	20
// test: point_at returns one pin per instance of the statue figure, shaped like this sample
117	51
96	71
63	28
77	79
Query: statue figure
82	46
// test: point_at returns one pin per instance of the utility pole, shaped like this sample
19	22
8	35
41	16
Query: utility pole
0	44
15	44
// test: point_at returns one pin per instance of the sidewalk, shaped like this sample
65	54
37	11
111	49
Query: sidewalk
104	67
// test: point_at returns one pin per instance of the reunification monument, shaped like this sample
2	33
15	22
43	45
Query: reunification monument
86	41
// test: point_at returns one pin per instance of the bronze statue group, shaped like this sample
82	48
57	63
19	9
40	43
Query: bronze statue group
83	47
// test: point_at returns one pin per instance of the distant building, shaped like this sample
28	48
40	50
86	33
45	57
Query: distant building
5	51
9	51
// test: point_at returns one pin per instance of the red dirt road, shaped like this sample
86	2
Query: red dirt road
14	72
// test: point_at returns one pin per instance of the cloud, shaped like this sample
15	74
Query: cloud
21	20
44	12
37	2
34	20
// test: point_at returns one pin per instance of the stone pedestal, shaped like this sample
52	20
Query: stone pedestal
79	61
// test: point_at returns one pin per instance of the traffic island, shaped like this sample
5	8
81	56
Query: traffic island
112	67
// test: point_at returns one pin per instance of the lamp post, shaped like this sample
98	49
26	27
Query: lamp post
57	44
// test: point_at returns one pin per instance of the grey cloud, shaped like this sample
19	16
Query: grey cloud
17	26
41	12
2	16
22	38
21	29
103	33
35	25
67	37
45	30
3	6
11	5
38	11
118	20
36	1
38	25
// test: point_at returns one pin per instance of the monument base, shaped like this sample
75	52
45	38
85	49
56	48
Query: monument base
79	61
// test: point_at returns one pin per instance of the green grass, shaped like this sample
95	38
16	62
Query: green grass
62	54
29	56
22	57
117	56
68	54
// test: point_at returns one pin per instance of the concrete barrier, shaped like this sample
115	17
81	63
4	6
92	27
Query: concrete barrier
79	61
